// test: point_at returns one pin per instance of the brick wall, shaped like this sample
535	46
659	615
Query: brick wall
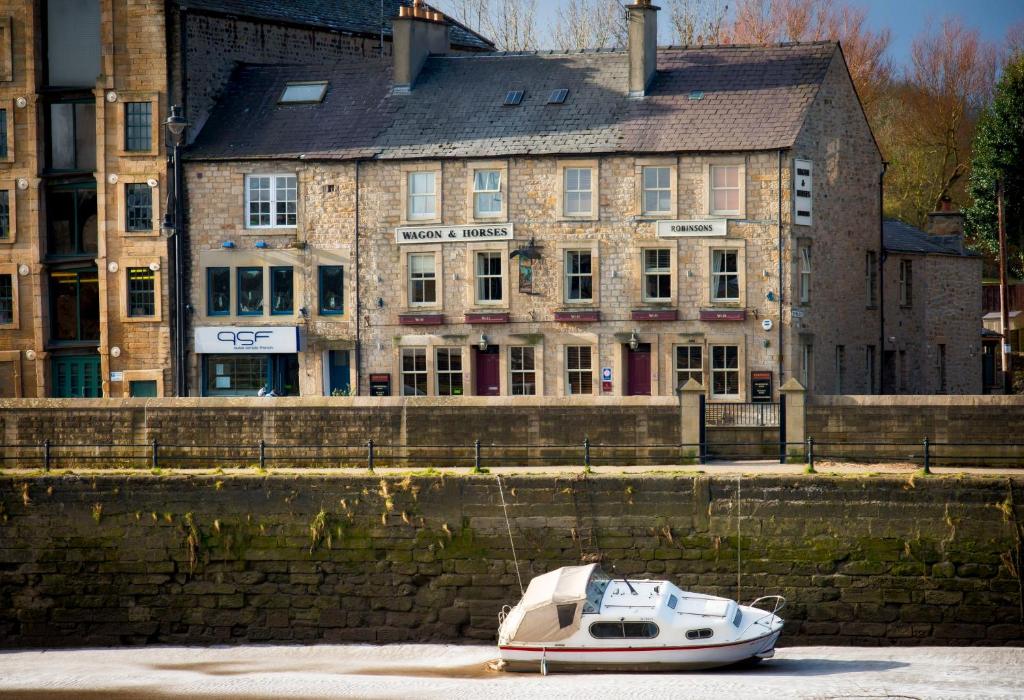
133	560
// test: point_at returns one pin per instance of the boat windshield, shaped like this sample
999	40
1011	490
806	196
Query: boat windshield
599	581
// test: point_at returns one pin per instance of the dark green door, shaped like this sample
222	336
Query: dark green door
77	376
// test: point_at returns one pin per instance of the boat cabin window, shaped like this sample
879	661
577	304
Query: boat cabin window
673	602
739	616
566	614
623	630
596	587
703	633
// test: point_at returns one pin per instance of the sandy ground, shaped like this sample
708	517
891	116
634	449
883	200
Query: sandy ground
450	672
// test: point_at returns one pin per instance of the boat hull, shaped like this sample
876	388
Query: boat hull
653	658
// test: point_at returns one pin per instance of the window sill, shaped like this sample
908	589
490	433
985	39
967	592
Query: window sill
419	222
262	230
141	319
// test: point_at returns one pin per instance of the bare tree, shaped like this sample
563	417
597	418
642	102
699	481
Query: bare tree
596	24
698	21
510	24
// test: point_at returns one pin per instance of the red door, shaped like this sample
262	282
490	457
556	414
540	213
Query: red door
638	370
488	372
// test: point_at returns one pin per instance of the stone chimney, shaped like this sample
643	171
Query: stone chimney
946	221
643	46
416	33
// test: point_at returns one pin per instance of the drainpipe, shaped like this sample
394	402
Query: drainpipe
358	304
881	280
782	378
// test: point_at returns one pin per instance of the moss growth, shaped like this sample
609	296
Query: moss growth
97	512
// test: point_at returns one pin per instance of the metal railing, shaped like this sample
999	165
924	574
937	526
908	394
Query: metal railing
746	415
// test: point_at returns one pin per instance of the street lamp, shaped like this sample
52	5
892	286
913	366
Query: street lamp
173	224
634	341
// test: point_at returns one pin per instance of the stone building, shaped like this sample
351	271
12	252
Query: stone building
86	280
609	222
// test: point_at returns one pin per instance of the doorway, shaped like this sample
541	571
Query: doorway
77	376
488	371
338	378
638	370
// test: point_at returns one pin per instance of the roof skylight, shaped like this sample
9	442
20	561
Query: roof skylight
298	93
557	97
513	97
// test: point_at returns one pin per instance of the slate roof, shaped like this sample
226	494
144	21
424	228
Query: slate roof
353	16
751	98
898	237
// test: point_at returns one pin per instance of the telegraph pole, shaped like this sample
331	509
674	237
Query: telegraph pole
1004	306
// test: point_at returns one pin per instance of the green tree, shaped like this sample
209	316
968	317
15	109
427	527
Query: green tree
998	155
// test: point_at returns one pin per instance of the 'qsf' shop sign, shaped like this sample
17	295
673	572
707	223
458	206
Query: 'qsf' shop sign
453	234
228	340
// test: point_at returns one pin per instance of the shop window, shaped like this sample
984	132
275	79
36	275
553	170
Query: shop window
414	371
725	276
578	194
422	195
487	193
906	283
579	369
805	274
72	42
871	278
422	279
218	291
138	126
523	371
725	190
282	290
5	215
7	300
657	196
689	364
449	372
332	289
138	207
250	291
141	291
271	201
71	220
579	276
488	277
725	371
74	305
72	136
236	375
658	275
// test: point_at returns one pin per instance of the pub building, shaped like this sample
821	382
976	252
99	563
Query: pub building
612	222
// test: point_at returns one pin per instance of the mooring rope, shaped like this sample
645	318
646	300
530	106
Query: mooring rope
504	507
739	520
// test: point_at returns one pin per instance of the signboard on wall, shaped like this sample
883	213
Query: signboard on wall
690	229
261	339
380	385
802	191
452	234
761	387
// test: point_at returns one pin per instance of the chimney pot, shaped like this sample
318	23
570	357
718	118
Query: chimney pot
417	33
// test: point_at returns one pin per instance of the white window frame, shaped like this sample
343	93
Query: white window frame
805	273
906	283
273	200
644	189
403	373
726	371
570	276
715	275
439	372
688	371
479	279
656	272
478	213
584	374
430	196
740	177
578	191
524	351
412	278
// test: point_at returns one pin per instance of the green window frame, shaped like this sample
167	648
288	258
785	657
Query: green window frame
249	291
218	291
141	292
282	291
76	376
138	126
331	289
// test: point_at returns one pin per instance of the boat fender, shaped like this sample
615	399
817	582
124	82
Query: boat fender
543	662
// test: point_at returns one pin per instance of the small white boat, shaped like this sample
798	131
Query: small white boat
578	618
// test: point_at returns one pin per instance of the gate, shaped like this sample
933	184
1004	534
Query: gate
732	431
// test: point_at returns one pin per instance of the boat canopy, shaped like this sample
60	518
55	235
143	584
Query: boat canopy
552	605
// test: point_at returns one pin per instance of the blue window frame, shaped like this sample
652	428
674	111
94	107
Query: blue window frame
332	289
250	291
282	290
218	291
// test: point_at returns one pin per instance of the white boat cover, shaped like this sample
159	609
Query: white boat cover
541	621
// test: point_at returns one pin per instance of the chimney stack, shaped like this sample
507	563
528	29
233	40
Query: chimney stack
416	33
946	221
643	46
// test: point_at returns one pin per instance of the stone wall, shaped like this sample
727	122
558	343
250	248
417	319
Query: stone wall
146	559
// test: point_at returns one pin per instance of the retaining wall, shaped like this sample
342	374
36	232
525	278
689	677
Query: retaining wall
133	559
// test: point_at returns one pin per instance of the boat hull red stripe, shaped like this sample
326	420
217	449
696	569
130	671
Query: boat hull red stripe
588	650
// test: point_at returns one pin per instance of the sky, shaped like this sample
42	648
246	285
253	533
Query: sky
905	18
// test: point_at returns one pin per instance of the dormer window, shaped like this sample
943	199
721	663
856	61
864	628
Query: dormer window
304	93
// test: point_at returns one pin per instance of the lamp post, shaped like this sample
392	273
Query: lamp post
173	227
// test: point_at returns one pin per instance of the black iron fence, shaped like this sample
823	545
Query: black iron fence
744	415
925	453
